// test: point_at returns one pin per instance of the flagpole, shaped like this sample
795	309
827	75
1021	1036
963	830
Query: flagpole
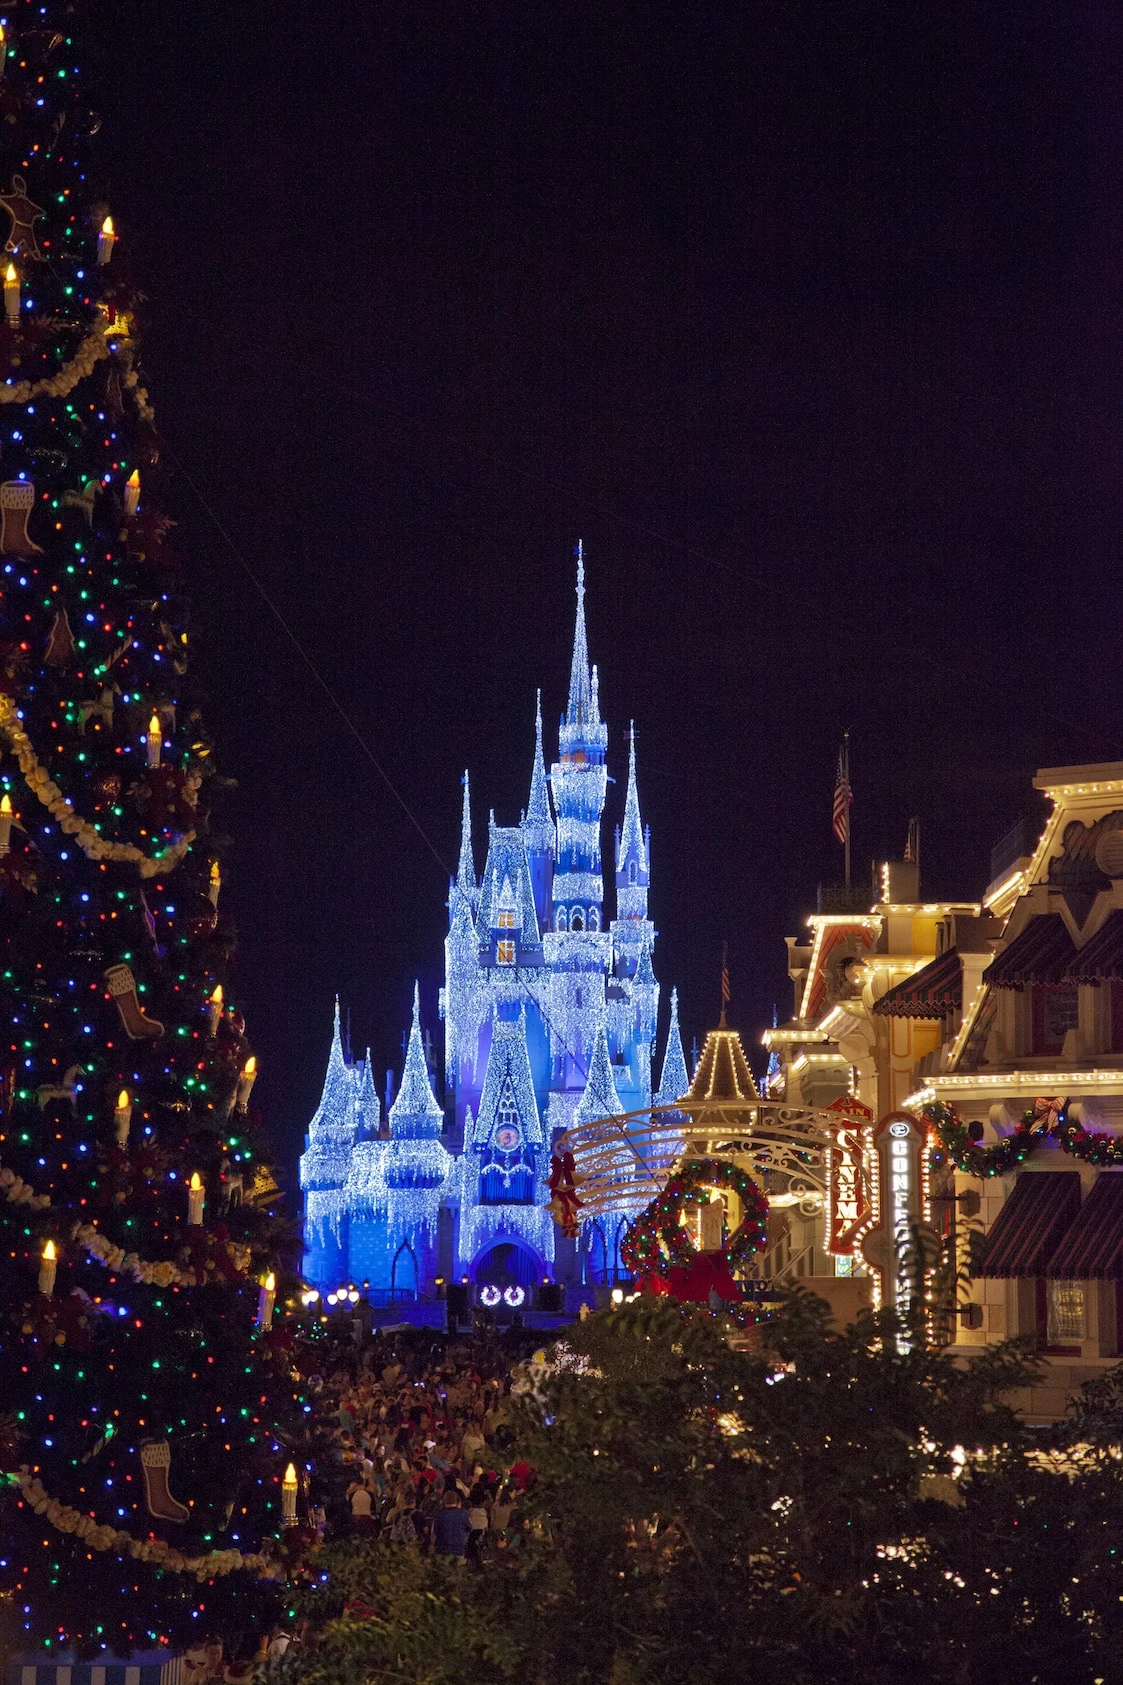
846	742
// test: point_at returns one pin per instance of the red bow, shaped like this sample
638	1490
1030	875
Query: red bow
207	1254
564	1203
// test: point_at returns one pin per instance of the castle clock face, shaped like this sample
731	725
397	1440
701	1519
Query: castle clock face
507	1137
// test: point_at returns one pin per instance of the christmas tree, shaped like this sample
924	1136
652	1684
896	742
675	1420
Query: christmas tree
149	1408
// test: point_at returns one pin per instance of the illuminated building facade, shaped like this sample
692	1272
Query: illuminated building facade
550	1008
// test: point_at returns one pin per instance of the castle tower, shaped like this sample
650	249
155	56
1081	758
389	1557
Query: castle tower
459	1004
633	993
401	1251
579	780
578	950
324	1166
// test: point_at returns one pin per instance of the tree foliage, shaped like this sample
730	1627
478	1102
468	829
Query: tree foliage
823	1507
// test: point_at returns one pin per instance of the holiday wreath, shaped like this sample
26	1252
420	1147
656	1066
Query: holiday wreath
657	1242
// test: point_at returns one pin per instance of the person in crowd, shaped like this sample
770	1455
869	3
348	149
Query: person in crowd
477	1520
362	1520
451	1527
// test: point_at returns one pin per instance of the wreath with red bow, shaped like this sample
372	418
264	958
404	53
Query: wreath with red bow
657	1243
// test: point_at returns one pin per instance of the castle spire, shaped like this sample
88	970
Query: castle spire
632	842
415	1111
582	709
600	1098
674	1082
466	871
337	1079
538	807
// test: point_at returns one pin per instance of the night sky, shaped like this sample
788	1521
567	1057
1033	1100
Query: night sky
805	317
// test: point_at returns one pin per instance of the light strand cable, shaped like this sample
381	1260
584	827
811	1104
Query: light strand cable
305	657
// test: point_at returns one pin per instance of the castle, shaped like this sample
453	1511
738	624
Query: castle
550	1012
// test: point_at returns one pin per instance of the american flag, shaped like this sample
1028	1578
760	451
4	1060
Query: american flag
843	795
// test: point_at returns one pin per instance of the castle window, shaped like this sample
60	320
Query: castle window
632	872
563	918
505	952
577	922
594	919
506	920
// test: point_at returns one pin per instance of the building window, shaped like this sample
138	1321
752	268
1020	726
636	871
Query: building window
632	872
563	918
577	922
1064	1313
1055	1013
505	952
506	918
594	919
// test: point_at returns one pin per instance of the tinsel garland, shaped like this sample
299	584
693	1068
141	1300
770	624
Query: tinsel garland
87	836
657	1242
91	351
957	1148
161	1273
100	1536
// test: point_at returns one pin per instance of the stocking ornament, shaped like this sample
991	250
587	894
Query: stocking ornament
17	500
122	986
156	1460
60	644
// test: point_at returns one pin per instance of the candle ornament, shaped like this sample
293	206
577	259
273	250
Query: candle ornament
123	1116
7	820
195	1196
106	241
154	741
47	1269
265	1302
132	494
246	1079
288	1494
215	883
214	1010
11	295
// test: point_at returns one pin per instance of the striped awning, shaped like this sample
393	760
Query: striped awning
149	1668
1043	953
1039	1211
1100	960
1092	1250
935	991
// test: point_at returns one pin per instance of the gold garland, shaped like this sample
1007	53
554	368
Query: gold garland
94	349
87	836
100	1536
91	351
162	1273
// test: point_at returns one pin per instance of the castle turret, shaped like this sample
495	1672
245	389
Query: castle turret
600	1098
459	996
675	1079
538	829
632	872
415	1114
368	1110
324	1165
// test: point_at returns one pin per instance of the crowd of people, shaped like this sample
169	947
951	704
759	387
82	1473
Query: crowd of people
426	1432
424	1426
